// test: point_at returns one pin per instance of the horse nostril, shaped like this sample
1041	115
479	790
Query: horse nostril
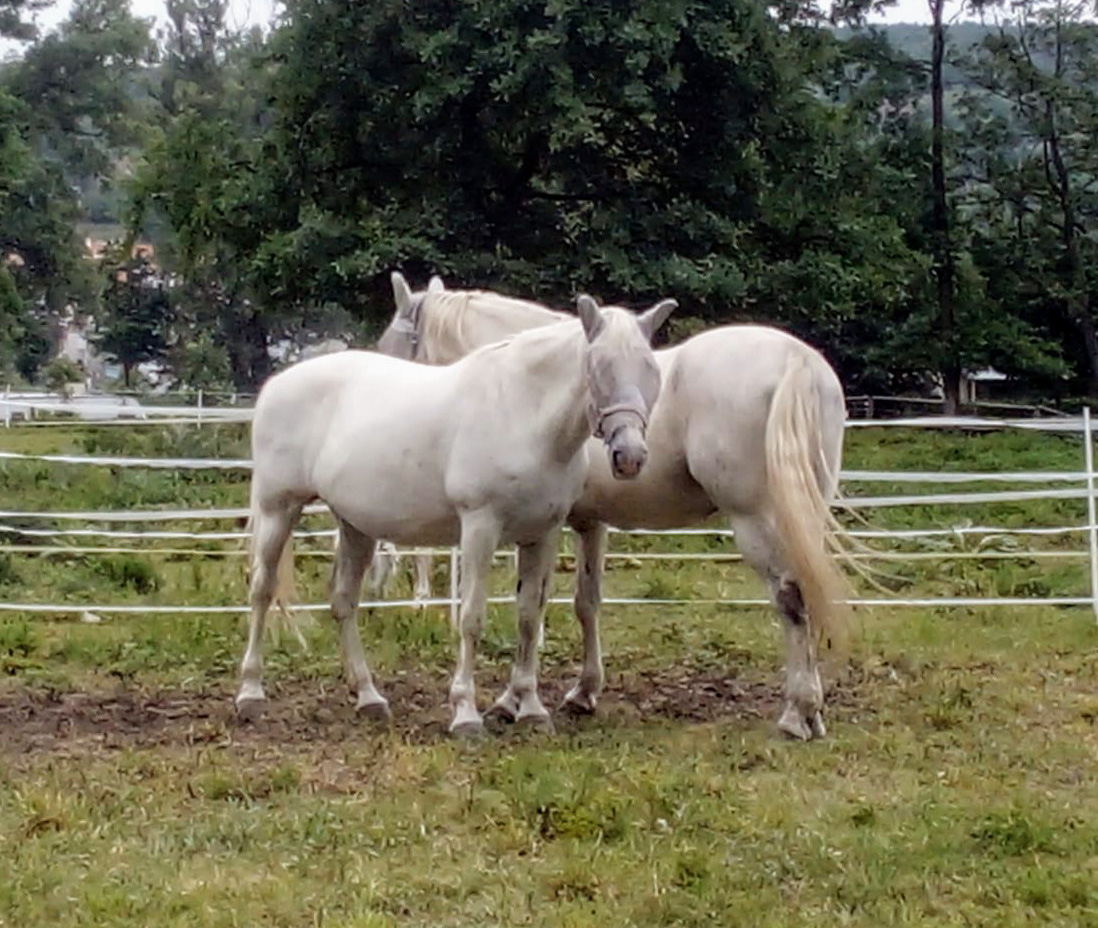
616	458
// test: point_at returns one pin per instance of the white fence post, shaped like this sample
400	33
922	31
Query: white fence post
455	598
7	406
1092	527
200	406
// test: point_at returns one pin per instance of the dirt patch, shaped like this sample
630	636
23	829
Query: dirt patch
306	712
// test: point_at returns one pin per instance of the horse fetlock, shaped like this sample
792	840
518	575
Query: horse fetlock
805	690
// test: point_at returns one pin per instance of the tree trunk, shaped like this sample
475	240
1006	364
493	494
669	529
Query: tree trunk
126	370
1077	300
1087	329
246	344
944	270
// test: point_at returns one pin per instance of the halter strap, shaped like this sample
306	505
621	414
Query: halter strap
408	326
601	415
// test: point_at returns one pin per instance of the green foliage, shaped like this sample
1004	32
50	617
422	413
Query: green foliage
66	110
742	156
134	323
133	573
1029	197
13	21
61	373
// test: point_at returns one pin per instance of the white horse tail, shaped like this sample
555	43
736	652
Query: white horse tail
800	483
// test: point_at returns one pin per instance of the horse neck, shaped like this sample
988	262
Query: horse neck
552	363
483	319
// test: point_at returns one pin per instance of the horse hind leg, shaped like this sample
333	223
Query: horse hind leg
802	716
353	556
423	578
582	699
385	562
271	531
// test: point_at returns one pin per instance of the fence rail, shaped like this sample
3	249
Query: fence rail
1050	485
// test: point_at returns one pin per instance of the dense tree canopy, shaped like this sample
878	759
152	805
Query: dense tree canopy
743	156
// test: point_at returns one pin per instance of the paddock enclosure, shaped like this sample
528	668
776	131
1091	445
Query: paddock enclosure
954	786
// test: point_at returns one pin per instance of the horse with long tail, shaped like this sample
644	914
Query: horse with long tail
749	427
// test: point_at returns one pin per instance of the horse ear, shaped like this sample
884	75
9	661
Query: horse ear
651	320
402	293
590	315
435	284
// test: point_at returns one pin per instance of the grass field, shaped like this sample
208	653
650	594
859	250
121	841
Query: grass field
955	787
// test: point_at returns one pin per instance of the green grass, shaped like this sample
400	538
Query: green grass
955	787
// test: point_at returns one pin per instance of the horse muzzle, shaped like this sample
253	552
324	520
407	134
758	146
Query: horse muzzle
628	453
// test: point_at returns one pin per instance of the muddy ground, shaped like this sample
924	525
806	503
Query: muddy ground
300	713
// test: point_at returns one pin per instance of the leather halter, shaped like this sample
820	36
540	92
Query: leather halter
601	415
408	325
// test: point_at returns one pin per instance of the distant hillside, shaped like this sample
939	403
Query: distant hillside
913	39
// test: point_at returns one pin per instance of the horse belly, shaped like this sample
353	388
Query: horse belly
412	514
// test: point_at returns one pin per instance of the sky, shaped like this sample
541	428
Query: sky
251	12
243	13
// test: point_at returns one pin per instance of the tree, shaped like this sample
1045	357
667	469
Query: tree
79	87
632	148
64	113
1042	177
208	176
945	270
133	325
13	24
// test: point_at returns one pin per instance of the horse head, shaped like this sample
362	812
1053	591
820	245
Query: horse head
401	339
623	379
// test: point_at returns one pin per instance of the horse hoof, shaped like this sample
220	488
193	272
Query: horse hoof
536	721
377	712
250	708
792	723
819	730
470	730
501	711
577	703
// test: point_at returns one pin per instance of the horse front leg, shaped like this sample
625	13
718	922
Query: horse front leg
582	698
479	537
521	702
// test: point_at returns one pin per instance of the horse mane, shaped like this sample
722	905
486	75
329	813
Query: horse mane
452	315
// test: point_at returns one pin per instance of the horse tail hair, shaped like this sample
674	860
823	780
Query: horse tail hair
285	593
798	477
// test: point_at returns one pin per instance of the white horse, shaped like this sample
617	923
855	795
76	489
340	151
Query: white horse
490	450
749	426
